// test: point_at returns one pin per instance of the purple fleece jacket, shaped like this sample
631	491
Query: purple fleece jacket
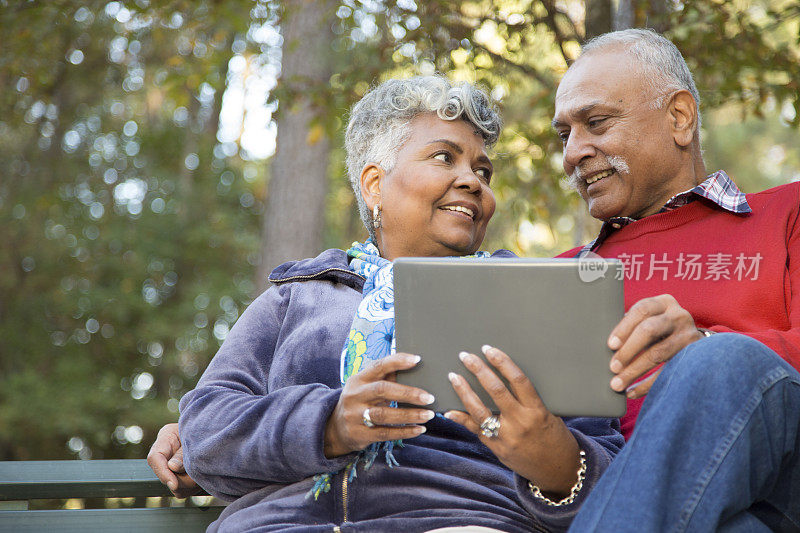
252	430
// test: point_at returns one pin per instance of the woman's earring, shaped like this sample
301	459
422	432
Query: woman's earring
376	216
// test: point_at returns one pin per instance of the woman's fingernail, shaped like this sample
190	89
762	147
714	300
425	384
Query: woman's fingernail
614	342
453	377
616	383
429	415
463	356
421	430
448	415
485	348
171	485
415	359
615	366
427	399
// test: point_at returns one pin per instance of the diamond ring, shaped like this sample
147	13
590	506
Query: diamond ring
366	419
490	426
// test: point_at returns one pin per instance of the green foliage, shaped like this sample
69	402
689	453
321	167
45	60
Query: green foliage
760	152
126	228
757	54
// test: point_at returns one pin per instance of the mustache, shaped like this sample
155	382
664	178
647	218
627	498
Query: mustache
617	163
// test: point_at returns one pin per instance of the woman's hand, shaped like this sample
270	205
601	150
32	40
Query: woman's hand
373	389
531	441
651	332
166	460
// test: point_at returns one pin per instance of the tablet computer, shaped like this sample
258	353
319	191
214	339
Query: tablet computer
551	316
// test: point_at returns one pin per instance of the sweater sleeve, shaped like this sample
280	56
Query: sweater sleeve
237	435
601	440
785	343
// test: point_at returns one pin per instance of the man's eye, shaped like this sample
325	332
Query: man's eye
563	135
594	122
444	157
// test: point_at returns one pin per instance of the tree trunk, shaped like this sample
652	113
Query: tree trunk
658	15
651	14
625	16
598	17
294	213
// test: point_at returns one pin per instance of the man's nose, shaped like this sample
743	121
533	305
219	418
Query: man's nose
578	148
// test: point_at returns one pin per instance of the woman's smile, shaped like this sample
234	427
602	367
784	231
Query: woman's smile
464	211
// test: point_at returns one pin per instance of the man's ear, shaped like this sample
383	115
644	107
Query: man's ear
682	112
371	177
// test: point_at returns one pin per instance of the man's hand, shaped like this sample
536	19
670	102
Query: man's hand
651	333
166	460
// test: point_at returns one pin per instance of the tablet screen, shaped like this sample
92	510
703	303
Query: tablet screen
551	316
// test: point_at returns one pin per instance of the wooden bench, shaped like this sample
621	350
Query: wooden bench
22	481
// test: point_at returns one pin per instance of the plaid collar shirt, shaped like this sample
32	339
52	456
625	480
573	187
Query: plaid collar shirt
717	187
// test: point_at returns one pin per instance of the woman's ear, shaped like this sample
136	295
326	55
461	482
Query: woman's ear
683	117
370	178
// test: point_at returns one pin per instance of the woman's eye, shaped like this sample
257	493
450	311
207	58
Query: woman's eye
484	173
443	156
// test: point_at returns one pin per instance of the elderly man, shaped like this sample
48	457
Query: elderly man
717	443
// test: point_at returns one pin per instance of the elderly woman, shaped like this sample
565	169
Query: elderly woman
295	420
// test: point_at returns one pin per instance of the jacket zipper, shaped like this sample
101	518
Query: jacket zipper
344	497
315	275
336	529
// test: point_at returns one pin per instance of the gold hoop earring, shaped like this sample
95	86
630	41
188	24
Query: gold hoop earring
376	216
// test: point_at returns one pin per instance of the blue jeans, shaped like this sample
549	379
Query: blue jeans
716	447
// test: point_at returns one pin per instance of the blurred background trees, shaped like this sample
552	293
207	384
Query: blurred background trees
141	204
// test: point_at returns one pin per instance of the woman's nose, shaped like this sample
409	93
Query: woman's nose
467	179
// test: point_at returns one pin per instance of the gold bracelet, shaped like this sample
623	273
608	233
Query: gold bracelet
576	488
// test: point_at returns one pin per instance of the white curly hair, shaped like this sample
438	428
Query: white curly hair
380	122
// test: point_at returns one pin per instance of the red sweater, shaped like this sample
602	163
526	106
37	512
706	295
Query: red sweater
732	272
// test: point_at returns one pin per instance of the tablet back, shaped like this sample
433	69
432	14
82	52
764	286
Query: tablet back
551	316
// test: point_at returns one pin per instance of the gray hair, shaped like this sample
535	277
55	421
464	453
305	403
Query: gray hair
661	62
380	122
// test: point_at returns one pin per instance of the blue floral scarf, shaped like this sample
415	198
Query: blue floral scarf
371	338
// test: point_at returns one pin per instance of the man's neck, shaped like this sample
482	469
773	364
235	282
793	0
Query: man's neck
693	175
700	172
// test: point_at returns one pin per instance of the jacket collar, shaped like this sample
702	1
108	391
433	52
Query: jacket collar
330	265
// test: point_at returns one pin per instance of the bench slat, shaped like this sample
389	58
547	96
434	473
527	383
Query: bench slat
23	480
156	520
